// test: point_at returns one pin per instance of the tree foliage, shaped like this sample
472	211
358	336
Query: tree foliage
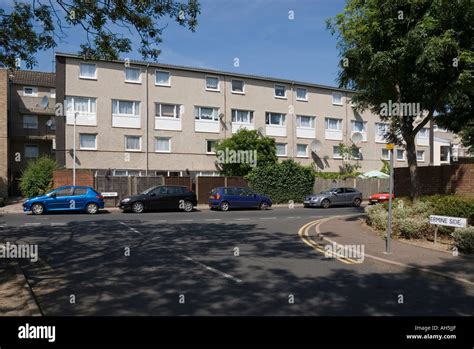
408	51
248	141
37	177
108	25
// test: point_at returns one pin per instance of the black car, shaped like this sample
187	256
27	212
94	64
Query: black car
160	198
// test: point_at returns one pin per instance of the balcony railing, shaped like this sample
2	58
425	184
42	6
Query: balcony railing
24	130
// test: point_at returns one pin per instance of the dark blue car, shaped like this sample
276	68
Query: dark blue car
224	198
67	198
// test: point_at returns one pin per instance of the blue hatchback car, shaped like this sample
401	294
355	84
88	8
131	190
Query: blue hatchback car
67	198
224	198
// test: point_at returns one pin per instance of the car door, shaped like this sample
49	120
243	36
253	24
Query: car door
174	197
248	198
351	193
60	199
339	197
79	198
155	199
232	196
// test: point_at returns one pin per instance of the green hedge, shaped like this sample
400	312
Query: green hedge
283	181
335	175
37	177
464	239
451	205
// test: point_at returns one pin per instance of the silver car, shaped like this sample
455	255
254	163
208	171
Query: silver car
334	196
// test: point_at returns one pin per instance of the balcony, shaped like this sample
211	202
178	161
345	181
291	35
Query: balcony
17	130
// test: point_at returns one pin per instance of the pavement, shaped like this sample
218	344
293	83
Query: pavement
352	231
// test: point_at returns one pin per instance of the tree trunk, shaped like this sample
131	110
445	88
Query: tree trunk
412	165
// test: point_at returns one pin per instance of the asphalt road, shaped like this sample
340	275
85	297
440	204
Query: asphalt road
212	263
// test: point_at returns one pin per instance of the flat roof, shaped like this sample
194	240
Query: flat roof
211	71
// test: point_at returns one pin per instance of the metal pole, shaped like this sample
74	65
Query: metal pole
389	225
74	152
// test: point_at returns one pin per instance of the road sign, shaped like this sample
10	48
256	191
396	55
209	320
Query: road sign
448	221
389	146
109	194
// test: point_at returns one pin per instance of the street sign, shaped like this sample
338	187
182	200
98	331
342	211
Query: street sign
109	194
389	146
448	221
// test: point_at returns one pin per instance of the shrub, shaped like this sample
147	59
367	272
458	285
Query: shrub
464	239
37	177
414	227
451	205
376	216
282	182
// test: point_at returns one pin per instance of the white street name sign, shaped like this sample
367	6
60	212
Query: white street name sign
448	221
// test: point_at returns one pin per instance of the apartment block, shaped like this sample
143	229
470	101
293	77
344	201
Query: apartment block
137	118
31	122
3	133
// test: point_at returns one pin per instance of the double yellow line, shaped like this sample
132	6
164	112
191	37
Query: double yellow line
304	235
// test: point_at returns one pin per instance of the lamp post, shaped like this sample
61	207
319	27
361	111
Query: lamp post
389	221
74	151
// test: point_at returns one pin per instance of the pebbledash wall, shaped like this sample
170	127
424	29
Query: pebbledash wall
101	132
445	179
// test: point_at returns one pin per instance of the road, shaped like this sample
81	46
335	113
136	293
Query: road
212	263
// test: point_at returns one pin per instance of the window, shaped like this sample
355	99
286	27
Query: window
88	141
420	155
212	83
355	153
80	191
280	91
305	121
242	116
424	133
301	94
211	146
400	154
381	130
237	86
30	121
385	154
336	152
87	71
302	150
81	104
333	124
358	126
206	114
275	119
133	75
337	98
125	108
64	192
133	143
30	91
167	110
31	151
162	144
444	153
52	93
280	149
162	78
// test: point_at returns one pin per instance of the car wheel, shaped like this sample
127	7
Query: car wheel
188	206
37	209
138	207
325	203
92	208
263	206
224	206
357	202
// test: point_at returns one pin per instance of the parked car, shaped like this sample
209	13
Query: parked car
66	198
160	197
225	198
380	198
334	196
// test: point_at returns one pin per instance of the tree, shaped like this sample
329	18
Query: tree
413	55
37	177
347	152
239	154
108	26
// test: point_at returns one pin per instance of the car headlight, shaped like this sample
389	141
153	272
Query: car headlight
126	200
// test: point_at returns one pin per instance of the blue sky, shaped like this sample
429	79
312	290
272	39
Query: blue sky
258	32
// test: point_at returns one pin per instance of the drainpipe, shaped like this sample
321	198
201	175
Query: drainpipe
147	117
293	124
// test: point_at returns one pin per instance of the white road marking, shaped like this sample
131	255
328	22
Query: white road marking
213	219
58	224
213	270
131	228
162	221
242	219
268	218
184	220
31	224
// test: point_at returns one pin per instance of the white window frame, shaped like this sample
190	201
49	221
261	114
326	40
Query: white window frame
249	117
177	111
268	119
197	114
218	89
52	93
286	149
306	94
88	134
35	124
232	88
403	155
298	122
326	124
34	91
139	81
275	89
134	108
381	138
426	130
169	145
88	77
306	150
139	142
382	155
334	100
89	104
31	145
422	159
336	149
207	144
156	78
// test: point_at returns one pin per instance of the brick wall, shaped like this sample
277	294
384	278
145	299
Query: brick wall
3	133
449	179
64	177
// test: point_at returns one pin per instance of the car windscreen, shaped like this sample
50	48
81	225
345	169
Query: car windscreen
327	191
147	191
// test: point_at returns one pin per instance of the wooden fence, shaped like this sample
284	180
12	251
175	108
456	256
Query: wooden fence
367	186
